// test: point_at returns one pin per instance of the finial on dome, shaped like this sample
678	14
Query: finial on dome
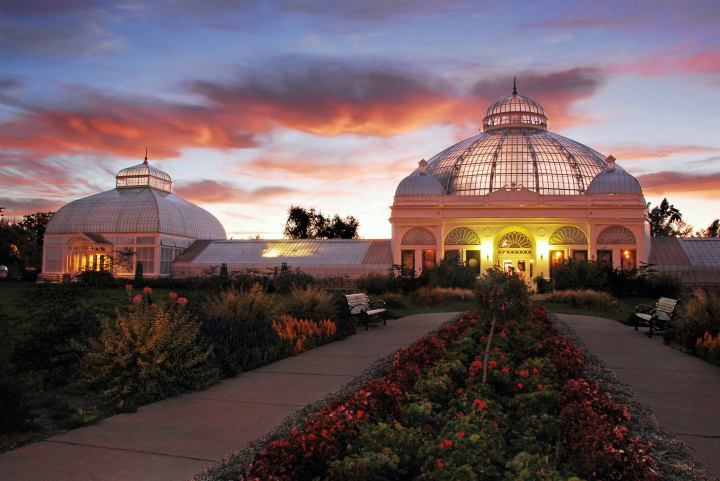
514	86
146	162
422	166
610	163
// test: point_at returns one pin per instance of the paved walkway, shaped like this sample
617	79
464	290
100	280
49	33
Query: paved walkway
177	438
682	391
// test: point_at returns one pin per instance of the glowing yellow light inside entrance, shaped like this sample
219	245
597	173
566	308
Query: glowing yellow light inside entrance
558	254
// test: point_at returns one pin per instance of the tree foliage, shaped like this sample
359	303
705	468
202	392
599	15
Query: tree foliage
666	220
713	230
305	223
21	242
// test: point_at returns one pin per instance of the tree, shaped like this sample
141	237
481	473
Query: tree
666	220
311	224
713	230
21	243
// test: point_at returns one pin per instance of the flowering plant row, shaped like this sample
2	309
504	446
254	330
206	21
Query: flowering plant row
434	418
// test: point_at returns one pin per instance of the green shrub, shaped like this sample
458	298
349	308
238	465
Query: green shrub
238	326
584	299
451	274
662	284
96	280
496	286
310	302
286	280
394	300
14	413
440	296
695	316
150	353
375	283
60	319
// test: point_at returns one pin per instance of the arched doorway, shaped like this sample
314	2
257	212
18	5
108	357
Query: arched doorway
514	251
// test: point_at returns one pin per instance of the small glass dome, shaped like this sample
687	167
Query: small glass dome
515	111
614	181
143	175
419	183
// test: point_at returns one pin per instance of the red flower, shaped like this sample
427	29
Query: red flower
172	296
446	443
439	463
137	298
519	386
182	300
147	290
535	371
128	287
523	373
506	370
492	363
479	404
460	434
539	387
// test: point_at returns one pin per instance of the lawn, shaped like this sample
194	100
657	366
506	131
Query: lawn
623	314
453	306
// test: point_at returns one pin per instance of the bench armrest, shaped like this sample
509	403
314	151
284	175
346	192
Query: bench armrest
378	303
644	308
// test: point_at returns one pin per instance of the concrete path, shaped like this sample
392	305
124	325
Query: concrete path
682	391
177	438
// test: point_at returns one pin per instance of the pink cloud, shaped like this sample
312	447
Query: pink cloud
691	185
217	192
638	152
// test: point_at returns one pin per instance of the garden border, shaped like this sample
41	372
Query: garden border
670	454
232	465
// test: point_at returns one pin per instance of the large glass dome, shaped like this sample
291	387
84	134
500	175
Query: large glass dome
141	202
516	151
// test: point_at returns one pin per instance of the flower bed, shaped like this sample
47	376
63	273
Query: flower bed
432	417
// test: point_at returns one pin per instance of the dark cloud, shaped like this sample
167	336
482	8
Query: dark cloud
35	8
216	192
322	97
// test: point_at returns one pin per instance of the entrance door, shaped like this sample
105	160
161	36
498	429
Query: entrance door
556	259
472	260
508	266
580	255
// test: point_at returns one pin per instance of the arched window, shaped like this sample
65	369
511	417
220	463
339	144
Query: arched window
514	240
616	234
462	236
568	235
418	236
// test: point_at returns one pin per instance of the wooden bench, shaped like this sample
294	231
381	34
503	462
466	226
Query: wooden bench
655	317
361	307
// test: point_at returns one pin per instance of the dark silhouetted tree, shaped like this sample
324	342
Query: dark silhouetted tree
666	220
713	230
311	224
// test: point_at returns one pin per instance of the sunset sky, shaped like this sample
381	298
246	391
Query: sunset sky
254	106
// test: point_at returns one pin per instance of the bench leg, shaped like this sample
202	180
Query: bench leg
651	328
367	322
635	322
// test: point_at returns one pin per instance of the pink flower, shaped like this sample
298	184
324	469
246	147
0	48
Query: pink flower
172	296
147	290
137	298
182	300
